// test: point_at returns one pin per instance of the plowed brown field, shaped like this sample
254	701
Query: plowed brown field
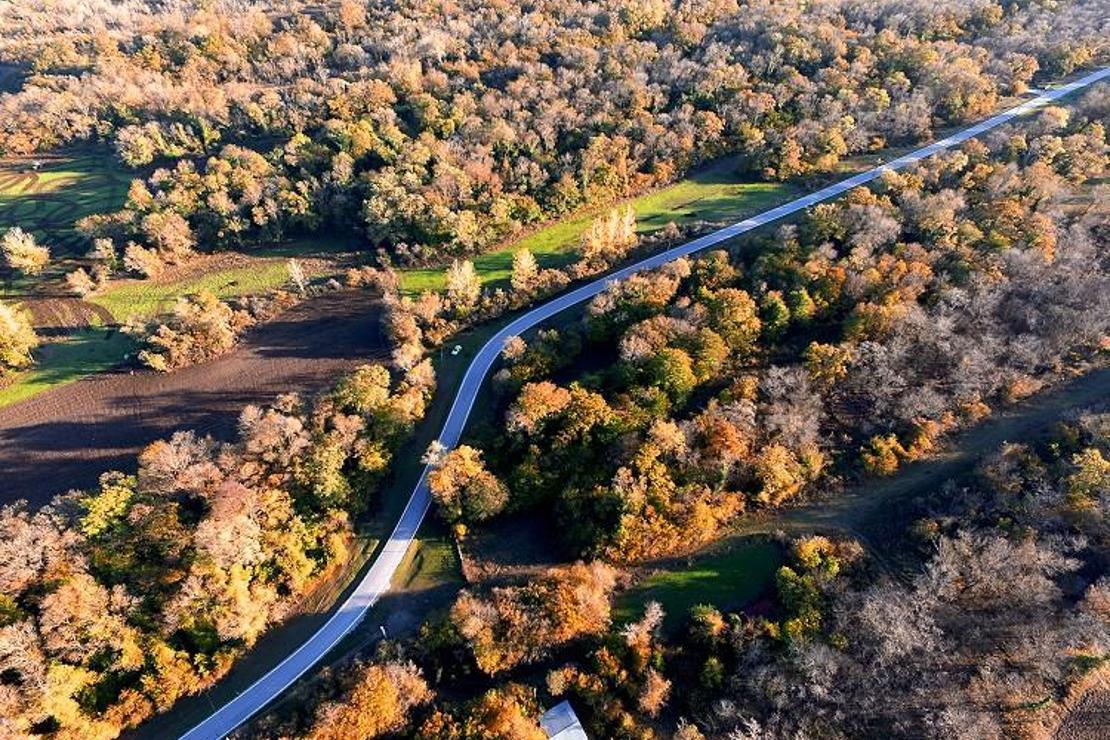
65	438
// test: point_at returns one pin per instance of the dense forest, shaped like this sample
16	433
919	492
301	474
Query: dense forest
435	129
1002	620
851	339
845	343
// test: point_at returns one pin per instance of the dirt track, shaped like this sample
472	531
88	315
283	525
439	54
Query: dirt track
66	437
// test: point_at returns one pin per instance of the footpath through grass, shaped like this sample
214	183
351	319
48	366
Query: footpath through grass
718	192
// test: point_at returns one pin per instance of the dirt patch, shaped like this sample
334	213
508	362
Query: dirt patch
1089	719
511	549
65	438
57	315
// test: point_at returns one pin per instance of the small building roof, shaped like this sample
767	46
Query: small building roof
561	723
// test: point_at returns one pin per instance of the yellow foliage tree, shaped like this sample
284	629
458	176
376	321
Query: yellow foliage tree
380	702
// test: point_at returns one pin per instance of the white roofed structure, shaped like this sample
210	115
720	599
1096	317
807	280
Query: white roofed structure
561	723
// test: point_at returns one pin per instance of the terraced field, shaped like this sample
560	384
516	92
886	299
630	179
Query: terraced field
47	195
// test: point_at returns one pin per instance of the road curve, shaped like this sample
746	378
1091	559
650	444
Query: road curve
376	580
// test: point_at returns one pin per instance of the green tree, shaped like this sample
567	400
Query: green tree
672	370
733	315
774	313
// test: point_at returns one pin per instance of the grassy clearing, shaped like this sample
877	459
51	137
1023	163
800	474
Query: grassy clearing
430	562
146	299
715	193
727	579
83	353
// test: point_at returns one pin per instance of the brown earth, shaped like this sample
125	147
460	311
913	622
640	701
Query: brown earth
65	438
1090	719
56	315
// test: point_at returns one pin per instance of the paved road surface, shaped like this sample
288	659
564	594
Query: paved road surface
376	580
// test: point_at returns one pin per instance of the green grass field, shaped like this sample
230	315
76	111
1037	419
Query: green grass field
83	353
715	193
729	580
146	299
429	563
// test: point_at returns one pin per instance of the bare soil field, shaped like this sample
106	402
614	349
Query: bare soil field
1089	719
65	438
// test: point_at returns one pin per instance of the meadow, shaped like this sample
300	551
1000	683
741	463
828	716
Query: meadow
49	194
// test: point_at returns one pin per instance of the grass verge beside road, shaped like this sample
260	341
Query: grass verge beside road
717	192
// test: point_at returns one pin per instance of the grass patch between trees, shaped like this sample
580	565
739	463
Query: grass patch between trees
716	193
146	299
728	579
83	353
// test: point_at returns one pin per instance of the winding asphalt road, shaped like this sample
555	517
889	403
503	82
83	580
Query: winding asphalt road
377	578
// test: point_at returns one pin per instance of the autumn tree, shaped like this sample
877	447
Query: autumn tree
464	489
380	702
202	327
17	337
80	283
525	272
22	253
364	390
508	712
520	624
463	287
609	237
